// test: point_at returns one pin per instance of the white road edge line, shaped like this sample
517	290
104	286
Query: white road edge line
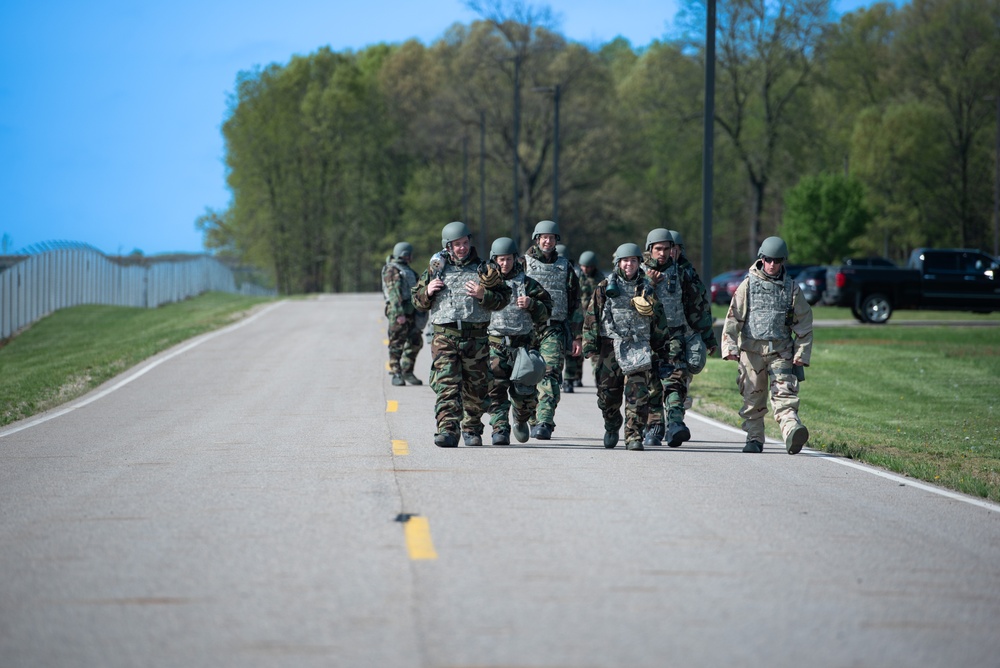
909	482
138	371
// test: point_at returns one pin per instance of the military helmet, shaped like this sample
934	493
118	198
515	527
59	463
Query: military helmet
401	249
561	250
453	232
628	250
588	259
503	246
678	239
773	247
545	227
658	236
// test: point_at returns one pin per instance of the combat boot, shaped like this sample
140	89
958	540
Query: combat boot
397	379
541	431
521	432
654	435
677	434
753	445
411	379
577	383
567	387
796	438
633	445
501	438
446	440
610	439
472	439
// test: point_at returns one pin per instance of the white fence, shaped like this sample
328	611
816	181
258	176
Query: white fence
55	279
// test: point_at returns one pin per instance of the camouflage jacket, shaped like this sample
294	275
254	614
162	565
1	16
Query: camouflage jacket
660	335
798	345
575	315
694	298
588	283
398	298
494	299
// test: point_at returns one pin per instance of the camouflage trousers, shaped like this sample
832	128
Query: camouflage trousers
551	346
760	376
502	394
675	388
613	386
573	369
460	375
405	341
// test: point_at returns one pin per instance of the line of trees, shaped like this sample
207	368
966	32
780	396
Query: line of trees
873	134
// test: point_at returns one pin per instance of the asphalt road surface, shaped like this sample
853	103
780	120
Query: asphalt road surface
263	496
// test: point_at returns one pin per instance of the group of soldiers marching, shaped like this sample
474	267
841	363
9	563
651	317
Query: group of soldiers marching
503	329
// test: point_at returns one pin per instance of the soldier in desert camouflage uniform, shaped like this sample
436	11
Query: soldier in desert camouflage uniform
689	315
460	290
768	329
625	329
405	322
512	328
562	330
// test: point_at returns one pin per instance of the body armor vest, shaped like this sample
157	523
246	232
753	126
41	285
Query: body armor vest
628	329
768	305
512	320
555	279
406	275
451	304
668	291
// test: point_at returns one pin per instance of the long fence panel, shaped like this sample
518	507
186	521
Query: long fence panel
39	284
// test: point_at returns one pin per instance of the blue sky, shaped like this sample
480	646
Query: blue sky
110	110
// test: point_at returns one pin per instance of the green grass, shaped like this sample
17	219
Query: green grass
920	401
72	351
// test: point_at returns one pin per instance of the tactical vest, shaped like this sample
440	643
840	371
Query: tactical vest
451	304
628	329
406	275
555	279
668	291
512	320
768	302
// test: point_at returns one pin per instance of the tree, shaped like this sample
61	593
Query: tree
823	215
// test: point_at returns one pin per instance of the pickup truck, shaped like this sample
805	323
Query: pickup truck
946	279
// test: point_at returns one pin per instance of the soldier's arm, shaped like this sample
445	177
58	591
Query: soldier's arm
541	301
802	326
497	297
398	305
591	330
735	317
575	315
419	293
698	308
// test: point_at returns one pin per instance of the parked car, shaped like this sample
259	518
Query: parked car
869	262
953	279
812	283
724	285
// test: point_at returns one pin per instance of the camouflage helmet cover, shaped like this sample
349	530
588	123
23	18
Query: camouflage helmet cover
773	247
503	246
452	232
657	236
545	227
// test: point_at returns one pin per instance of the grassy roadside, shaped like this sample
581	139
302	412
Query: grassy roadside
919	401
72	351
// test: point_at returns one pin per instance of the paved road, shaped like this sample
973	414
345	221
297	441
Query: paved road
235	502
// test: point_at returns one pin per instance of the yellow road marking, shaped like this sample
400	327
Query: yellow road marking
385	342
391	406
387	365
418	539
400	448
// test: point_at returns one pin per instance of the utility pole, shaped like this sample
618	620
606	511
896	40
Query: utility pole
708	150
516	235
556	91
483	236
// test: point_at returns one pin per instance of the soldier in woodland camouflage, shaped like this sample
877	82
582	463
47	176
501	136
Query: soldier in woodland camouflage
768	329
625	330
589	276
405	322
689	315
512	328
563	328
459	290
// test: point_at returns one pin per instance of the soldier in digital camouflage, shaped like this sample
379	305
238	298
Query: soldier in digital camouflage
405	323
768	329
625	329
510	329
460	291
689	316
561	334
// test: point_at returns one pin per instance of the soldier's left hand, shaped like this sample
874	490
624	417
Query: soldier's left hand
475	289
524	302
576	348
654	275
400	319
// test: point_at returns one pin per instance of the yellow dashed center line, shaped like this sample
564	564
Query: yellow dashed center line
400	448
418	539
385	342
391	406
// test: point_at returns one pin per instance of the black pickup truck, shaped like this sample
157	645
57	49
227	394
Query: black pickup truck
946	279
